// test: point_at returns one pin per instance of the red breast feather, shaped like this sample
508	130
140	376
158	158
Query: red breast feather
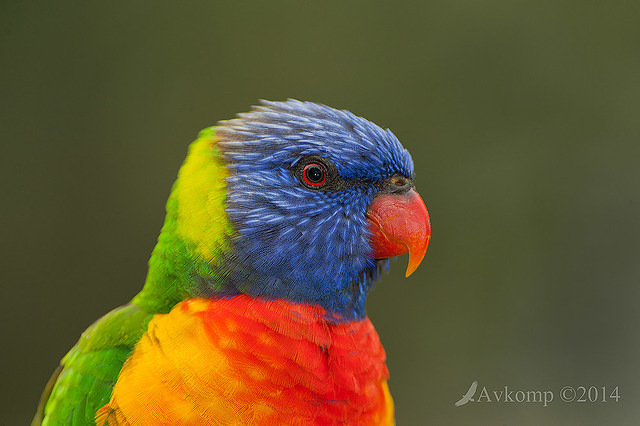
244	361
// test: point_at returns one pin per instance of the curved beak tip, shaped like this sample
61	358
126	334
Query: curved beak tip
416	256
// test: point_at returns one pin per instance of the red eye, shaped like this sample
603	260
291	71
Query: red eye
314	174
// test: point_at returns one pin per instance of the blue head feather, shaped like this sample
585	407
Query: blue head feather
295	242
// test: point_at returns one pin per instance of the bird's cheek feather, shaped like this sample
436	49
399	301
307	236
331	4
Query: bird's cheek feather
399	223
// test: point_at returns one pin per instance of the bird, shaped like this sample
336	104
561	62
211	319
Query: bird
253	309
467	397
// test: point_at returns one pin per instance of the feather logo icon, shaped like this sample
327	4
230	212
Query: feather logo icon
469	395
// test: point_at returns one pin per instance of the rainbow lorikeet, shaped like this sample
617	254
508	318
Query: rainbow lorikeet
253	310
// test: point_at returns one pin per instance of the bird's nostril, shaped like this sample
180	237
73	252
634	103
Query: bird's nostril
396	184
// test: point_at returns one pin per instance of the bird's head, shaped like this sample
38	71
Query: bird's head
299	201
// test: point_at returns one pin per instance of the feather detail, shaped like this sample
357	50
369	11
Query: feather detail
240	360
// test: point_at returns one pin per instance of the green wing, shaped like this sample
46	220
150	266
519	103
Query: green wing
84	381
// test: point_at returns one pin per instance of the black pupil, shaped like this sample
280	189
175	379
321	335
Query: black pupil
315	174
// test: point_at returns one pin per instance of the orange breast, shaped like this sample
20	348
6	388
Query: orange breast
248	362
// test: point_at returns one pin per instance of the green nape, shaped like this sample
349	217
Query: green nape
194	236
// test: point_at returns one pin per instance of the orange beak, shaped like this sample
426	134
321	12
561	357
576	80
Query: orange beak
399	223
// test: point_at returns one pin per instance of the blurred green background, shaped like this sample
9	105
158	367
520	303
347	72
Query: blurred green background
522	118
